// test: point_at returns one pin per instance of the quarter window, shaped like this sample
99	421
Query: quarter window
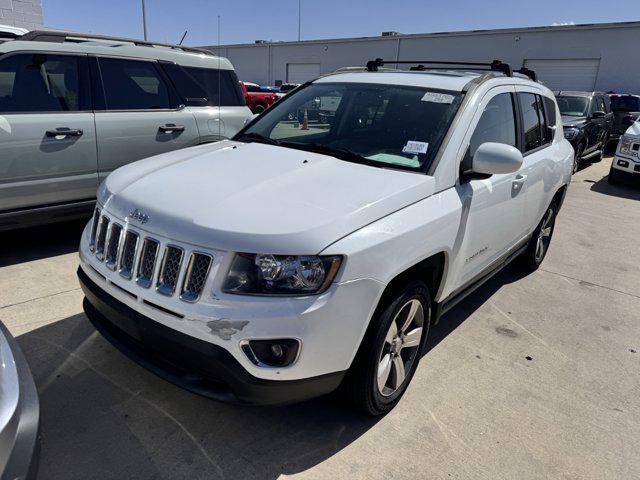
41	83
133	85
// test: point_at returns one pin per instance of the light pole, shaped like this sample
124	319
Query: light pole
144	19
299	14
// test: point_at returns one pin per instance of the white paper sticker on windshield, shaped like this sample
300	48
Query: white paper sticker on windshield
415	147
437	97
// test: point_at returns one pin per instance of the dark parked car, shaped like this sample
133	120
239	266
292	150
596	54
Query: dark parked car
626	109
588	122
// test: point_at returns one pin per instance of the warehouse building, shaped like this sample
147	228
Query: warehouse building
568	57
21	13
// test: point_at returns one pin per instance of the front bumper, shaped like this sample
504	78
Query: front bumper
192	363
625	170
19	437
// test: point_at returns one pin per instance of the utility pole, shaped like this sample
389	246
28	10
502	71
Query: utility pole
299	15
144	20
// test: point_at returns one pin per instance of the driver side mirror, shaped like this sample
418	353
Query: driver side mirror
250	118
598	114
491	158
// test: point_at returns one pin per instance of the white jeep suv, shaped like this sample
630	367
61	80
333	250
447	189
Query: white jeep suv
299	257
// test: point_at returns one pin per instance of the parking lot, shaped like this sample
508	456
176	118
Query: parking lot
531	377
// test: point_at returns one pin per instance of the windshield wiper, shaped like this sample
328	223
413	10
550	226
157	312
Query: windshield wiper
256	137
337	152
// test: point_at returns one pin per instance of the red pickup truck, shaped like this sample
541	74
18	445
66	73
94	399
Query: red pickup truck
257	100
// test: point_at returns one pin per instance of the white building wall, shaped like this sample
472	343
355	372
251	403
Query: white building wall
21	13
615	47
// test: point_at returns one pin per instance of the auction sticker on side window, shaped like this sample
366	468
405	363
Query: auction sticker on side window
415	147
435	97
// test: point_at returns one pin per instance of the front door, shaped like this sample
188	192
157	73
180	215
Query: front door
492	206
47	131
139	115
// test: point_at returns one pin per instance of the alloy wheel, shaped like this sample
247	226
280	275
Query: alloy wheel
401	347
544	236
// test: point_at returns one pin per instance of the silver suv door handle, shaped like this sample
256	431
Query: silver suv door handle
170	128
66	132
519	181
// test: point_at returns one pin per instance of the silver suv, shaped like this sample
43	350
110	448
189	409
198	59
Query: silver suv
74	107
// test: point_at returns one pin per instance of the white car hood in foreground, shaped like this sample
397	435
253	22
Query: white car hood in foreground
634	129
258	198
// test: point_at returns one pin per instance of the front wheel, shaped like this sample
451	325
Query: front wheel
390	351
577	158
541	239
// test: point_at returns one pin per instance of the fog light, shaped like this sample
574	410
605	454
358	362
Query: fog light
280	352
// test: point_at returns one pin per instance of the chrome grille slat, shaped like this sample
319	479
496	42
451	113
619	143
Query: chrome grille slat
94	229
196	276
170	270
111	255
101	237
128	255
147	262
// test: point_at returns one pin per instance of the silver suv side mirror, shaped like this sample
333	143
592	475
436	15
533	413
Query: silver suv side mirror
493	158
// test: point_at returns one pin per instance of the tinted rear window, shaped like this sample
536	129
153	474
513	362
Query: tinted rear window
625	104
206	86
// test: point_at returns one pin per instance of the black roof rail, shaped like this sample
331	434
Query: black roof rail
529	73
496	65
55	36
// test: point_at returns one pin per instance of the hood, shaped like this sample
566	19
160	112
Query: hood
634	129
573	122
258	198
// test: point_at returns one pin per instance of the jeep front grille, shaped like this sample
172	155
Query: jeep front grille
136	257
195	277
169	270
128	255
94	228
111	257
101	237
147	262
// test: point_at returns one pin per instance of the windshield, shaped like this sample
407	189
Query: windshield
625	104
382	125
573	106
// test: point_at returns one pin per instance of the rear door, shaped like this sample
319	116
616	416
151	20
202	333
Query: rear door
597	127
138	113
47	132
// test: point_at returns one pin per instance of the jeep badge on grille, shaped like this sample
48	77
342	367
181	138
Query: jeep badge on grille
139	216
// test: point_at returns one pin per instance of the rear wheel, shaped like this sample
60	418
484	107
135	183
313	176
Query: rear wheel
390	352
541	239
577	158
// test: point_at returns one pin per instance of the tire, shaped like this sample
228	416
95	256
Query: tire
577	158
612	179
386	352
541	239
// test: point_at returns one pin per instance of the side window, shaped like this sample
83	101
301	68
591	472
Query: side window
600	105
133	85
551	111
41	83
497	123
530	121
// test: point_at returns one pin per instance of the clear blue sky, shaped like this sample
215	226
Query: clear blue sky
248	20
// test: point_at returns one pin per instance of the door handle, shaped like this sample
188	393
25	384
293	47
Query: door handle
67	132
519	181
170	128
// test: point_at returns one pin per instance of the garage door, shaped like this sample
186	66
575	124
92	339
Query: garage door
567	74
302	72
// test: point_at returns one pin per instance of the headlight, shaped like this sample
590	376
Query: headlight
570	133
627	145
264	274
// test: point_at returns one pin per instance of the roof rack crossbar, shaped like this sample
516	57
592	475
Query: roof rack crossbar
496	65
529	73
54	36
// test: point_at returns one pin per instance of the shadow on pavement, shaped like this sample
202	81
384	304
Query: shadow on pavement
603	186
104	417
27	244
